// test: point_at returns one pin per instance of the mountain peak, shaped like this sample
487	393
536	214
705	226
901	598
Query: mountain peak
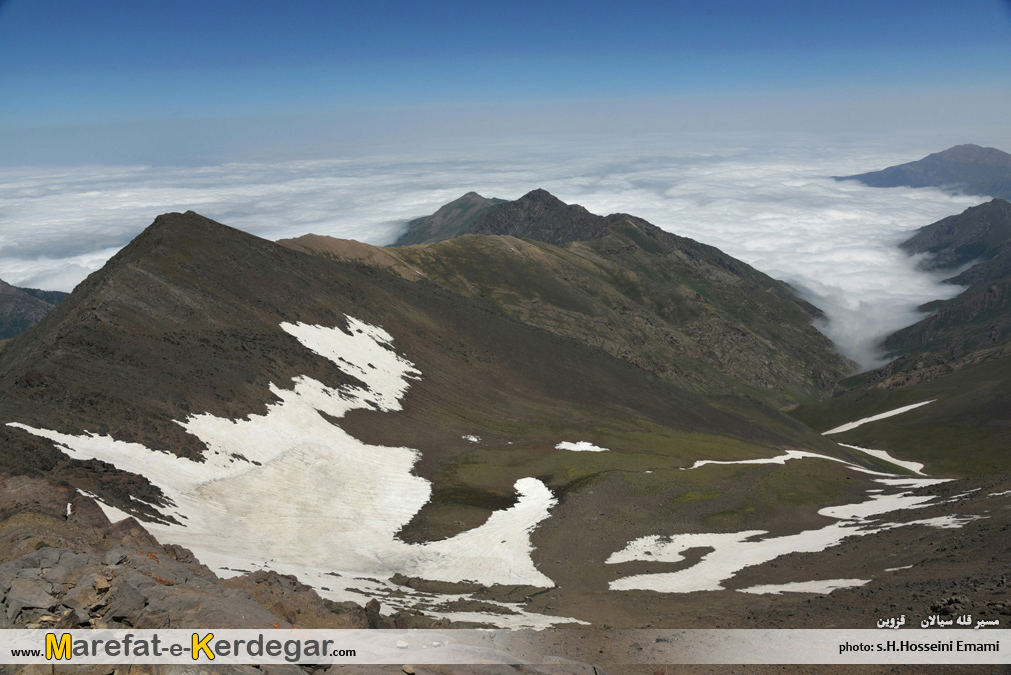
451	220
541	216
543	196
189	222
967	168
974	153
536	215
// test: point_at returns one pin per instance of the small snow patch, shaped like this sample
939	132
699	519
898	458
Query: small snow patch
731	552
472	439
783	459
580	446
915	467
816	586
912	482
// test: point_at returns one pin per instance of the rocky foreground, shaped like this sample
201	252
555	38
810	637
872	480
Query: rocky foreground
64	565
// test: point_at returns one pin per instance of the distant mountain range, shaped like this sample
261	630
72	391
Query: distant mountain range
21	308
971	169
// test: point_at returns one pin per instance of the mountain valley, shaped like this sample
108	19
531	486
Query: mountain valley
958	355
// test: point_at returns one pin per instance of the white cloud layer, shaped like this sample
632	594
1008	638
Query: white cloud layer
769	201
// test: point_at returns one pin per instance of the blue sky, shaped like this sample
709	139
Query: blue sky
149	82
722	121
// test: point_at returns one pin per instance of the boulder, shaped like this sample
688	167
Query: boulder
127	605
25	594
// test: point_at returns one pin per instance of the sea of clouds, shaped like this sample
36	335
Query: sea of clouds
771	202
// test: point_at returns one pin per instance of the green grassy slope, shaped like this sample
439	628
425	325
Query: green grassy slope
966	431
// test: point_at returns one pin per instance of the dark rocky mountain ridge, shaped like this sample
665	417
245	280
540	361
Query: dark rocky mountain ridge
976	235
673	306
979	316
192	305
185	320
975	245
537	215
966	168
541	216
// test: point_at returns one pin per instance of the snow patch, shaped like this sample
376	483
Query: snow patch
733	551
915	467
815	586
912	482
472	439
783	459
875	418
580	446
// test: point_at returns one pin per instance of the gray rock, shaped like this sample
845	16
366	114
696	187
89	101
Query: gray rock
127	604
85	596
25	593
8	573
49	556
133	533
184	607
78	617
69	571
115	556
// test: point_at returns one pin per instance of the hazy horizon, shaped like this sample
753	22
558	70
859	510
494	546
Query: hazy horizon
773	204
721	122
